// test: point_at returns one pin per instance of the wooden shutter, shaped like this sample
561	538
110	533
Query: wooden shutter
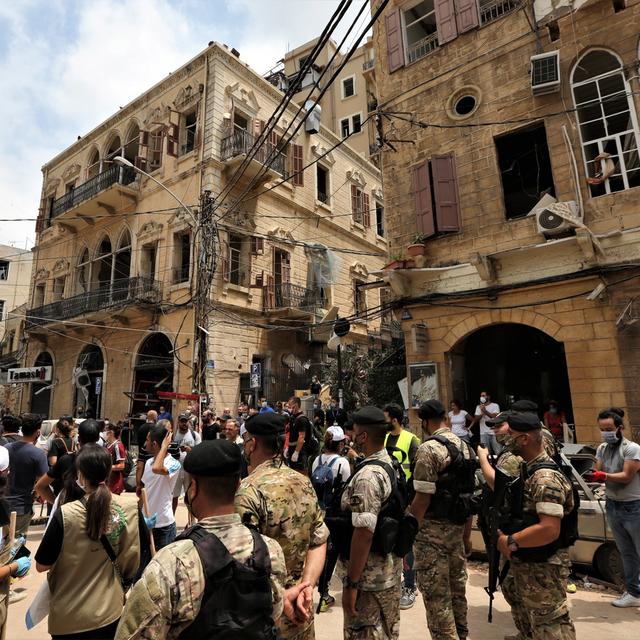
140	162
172	140
258	127
466	15
39	223
144	139
225	269
269	293
298	164
445	191
366	215
285	262
395	51
446	21
422	198
257	246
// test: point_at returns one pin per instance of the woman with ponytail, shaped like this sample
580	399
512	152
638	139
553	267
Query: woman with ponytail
89	547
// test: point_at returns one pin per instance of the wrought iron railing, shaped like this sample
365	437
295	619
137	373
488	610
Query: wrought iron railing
368	64
242	142
113	294
92	187
491	10
292	296
421	48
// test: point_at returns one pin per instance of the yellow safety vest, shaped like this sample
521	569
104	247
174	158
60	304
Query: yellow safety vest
404	444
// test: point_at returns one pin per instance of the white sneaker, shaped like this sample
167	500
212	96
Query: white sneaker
626	600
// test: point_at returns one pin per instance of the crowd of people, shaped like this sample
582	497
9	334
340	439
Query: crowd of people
278	498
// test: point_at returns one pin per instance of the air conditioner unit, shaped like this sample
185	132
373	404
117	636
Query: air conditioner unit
556	218
545	73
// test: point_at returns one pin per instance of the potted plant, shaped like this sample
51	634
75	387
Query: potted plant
417	247
396	262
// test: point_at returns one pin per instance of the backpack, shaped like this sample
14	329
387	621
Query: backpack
395	529
323	482
454	499
237	600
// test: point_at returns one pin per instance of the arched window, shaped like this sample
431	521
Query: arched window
103	263
89	382
132	140
114	149
83	283
122	269
94	164
608	123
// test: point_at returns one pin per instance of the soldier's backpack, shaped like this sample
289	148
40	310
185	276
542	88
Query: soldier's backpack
395	528
323	482
237	597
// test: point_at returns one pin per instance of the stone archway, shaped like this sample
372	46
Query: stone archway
511	361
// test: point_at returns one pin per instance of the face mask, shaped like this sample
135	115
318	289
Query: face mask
79	484
610	437
504	439
264	405
483	399
553	410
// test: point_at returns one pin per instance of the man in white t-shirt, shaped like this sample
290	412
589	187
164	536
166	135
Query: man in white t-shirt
159	477
486	410
185	439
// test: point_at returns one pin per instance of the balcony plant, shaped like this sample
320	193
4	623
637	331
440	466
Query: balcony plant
416	248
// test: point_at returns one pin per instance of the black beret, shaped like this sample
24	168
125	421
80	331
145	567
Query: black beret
524	422
369	416
527	406
431	409
213	458
265	424
504	416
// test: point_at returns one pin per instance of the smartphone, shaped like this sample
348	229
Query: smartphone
22	552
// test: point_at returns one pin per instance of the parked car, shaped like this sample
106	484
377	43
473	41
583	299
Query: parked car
595	546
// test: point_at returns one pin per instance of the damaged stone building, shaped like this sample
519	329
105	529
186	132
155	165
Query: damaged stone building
509	147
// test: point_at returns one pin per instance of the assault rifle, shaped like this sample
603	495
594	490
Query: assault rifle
496	507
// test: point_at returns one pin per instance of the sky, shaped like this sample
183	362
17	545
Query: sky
66	65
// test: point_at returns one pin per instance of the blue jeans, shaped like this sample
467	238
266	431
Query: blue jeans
490	442
624	520
162	536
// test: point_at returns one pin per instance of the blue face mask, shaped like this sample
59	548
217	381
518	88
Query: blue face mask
610	437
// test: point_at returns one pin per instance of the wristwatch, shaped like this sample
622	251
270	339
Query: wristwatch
348	583
512	544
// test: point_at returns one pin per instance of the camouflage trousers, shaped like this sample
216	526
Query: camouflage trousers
536	592
442	579
377	616
291	632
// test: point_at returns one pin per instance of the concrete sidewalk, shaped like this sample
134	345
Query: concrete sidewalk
592	612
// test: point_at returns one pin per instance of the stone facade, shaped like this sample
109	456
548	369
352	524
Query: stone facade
111	293
496	267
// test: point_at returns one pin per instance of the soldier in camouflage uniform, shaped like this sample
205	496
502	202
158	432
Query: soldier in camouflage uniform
371	584
167	598
539	600
440	544
282	504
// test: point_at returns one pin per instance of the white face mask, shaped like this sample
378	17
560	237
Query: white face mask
483	399
610	437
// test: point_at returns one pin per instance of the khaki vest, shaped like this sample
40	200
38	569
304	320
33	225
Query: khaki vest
86	593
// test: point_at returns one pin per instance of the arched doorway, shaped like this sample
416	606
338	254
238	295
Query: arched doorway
41	391
511	362
89	382
153	372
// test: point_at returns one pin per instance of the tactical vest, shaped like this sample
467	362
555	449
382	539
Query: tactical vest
237	599
404	445
454	497
519	520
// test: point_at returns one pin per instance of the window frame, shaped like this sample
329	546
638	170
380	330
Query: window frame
379	206
184	131
404	26
359	210
342	122
154	136
4	269
343	93
327	198
179	277
359	299
618	138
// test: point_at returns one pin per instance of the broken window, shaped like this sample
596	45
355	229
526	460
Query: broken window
181	257
379	219
38	295
420	30
4	269
322	184
359	299
344	127
148	260
607	118
94	164
188	126
356	123
154	158
525	168
58	288
357	204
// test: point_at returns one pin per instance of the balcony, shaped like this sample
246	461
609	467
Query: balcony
119	293
103	192
239	144
292	299
369	67
422	47
491	10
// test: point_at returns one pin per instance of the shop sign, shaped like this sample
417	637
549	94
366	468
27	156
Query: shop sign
30	374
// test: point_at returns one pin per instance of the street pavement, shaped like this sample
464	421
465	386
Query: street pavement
591	610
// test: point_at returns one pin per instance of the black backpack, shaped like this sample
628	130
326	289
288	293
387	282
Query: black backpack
395	529
237	600
455	499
